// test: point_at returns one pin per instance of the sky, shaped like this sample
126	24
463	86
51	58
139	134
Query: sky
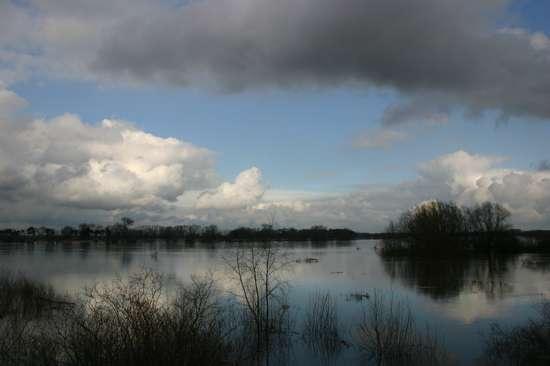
343	113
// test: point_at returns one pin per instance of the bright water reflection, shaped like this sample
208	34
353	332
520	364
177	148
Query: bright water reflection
458	298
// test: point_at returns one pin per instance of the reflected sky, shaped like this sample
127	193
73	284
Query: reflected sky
459	298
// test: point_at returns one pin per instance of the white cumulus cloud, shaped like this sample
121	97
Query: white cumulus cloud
245	191
105	166
459	176
65	163
64	170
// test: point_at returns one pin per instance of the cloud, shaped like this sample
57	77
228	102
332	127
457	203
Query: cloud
422	109
110	165
59	38
9	101
470	179
68	164
376	139
457	172
459	176
442	52
63	170
438	53
245	191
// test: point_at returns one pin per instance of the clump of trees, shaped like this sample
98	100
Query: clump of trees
439	226
438	217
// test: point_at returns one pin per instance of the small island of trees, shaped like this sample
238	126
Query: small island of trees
438	227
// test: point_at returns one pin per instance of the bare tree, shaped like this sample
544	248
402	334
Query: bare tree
488	217
258	275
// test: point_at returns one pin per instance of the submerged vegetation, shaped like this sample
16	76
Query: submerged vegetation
124	323
388	335
260	286
142	321
320	328
145	320
528	344
21	297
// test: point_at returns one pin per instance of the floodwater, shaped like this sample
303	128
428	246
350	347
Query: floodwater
458	299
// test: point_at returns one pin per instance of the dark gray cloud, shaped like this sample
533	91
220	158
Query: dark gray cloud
419	109
441	51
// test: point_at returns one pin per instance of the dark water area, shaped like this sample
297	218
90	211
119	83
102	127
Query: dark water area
458	298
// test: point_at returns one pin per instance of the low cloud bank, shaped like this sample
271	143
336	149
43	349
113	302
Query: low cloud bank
64	170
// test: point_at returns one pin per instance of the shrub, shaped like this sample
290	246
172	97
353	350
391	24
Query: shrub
522	345
388	335
321	325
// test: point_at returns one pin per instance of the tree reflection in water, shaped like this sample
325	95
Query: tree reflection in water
445	278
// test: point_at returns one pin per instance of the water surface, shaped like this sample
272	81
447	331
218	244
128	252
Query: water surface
458	298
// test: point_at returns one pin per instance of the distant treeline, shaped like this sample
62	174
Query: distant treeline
444	227
434	226
123	231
